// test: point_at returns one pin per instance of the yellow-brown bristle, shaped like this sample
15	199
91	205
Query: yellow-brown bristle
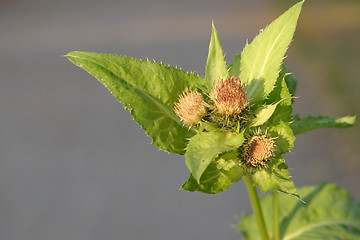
258	150
190	108
229	96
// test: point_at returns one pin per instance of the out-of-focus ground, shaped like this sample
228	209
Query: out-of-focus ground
74	166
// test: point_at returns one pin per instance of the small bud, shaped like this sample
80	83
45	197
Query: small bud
258	151
229	97
190	108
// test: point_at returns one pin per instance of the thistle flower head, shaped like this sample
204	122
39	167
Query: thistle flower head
190	107
229	96
258	150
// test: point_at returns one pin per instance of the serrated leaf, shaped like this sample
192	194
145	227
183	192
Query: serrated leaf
205	146
290	80
218	176
148	91
261	59
280	91
215	66
284	138
209	127
311	123
329	213
276	178
284	109
265	113
234	68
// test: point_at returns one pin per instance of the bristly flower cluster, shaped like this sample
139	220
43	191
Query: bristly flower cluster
246	127
228	107
257	151
229	97
235	120
190	108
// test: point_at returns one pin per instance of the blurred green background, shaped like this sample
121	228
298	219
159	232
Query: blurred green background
73	164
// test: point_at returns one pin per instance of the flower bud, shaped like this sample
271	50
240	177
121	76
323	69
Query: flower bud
258	150
190	107
229	97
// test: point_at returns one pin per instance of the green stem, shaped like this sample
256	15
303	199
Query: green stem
254	199
276	223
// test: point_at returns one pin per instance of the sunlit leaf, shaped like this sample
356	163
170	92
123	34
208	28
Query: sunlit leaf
215	66
290	80
263	114
276	175
329	213
234	68
277	178
261	59
284	137
302	125
218	176
148	91
283	109
205	146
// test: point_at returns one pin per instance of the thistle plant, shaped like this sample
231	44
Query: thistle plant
235	123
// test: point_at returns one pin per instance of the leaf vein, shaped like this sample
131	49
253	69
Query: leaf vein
151	98
318	225
269	52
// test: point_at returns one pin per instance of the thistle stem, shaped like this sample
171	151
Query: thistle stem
254	199
276	224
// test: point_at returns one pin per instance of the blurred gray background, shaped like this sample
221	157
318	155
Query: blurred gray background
73	164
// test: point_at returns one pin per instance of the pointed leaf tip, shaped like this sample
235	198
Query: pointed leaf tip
262	58
148	90
215	66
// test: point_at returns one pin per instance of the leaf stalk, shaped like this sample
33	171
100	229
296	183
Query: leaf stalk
276	224
254	199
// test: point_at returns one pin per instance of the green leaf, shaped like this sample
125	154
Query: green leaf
234	68
311	123
329	213
265	112
148	91
215	66
280	91
209	127
261	59
205	146
218	176
276	178
278	108
284	109
284	138
290	80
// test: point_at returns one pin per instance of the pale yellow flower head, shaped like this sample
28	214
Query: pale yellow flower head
190	107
